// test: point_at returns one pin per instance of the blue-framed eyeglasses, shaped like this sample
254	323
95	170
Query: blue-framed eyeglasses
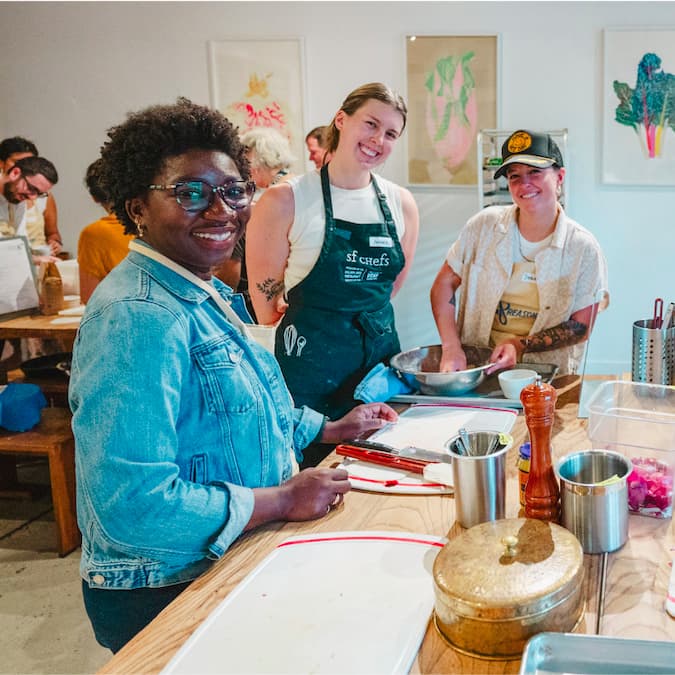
198	195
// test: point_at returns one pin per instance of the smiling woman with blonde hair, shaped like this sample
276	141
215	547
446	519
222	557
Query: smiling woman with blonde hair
327	251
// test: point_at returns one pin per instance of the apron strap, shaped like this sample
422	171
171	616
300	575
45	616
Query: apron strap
384	207
328	202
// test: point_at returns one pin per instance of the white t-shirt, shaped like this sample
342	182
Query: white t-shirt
307	232
12	218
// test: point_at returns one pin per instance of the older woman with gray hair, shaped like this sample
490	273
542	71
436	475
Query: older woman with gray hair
269	154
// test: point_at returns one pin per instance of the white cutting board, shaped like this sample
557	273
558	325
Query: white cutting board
340	602
431	426
371	477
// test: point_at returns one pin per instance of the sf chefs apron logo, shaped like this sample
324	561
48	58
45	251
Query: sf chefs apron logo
381	261
362	273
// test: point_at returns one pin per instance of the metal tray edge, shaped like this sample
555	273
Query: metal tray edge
558	653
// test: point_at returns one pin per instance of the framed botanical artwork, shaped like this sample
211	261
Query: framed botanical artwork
259	82
452	92
638	145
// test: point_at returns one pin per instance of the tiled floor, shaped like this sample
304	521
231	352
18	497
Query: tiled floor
43	625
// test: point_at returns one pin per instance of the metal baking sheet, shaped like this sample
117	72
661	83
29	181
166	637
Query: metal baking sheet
487	394
573	654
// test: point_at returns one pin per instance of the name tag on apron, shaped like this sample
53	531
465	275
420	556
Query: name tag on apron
529	278
381	242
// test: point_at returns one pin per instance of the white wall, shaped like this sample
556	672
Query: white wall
71	70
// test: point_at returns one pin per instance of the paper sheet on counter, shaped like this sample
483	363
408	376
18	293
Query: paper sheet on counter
62	320
72	311
431	426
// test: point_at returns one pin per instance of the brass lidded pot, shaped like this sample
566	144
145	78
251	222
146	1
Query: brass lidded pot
499	583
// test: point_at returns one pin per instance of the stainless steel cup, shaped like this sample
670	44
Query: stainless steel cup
594	498
479	477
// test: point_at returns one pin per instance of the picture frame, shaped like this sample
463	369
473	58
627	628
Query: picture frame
452	87
260	82
638	138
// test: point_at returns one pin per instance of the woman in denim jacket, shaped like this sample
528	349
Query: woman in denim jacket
186	435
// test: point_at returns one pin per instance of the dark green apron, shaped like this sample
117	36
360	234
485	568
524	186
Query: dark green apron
340	322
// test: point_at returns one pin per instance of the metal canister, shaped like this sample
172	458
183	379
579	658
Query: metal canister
594	498
523	470
500	583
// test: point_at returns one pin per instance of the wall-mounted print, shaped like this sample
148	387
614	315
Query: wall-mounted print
639	107
258	83
452	92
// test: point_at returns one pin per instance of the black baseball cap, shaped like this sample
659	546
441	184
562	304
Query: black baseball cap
531	148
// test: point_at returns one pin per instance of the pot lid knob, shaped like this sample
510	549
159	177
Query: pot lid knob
510	542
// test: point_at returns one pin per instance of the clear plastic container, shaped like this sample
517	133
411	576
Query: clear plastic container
638	420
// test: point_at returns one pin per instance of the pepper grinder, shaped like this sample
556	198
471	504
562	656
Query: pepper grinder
542	493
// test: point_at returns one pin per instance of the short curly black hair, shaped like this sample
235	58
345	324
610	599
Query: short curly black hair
136	150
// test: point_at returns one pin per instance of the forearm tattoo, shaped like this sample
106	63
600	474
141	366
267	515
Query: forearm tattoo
564	334
271	288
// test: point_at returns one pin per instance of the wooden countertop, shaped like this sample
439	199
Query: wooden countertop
41	326
637	574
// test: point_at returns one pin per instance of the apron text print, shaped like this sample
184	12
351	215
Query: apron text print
381	261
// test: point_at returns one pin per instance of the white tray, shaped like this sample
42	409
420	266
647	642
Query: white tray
341	602
424	426
377	478
492	402
431	426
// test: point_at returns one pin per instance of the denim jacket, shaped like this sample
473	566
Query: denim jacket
176	417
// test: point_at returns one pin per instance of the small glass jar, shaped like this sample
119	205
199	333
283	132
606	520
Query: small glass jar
523	470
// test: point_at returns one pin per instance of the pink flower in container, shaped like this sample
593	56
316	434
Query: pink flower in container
650	488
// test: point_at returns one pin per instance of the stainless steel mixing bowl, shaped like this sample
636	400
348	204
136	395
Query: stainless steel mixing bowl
419	367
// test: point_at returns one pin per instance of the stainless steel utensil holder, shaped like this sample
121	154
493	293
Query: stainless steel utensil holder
653	353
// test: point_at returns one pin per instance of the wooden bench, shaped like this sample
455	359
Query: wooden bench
55	389
52	438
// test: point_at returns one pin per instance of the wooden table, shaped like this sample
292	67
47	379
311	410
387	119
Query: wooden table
40	326
34	326
637	575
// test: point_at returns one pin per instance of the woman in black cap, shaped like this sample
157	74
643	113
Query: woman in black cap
530	275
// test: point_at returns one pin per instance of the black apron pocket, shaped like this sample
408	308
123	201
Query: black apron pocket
378	323
380	336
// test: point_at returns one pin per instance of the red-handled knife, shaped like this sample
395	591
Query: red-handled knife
383	458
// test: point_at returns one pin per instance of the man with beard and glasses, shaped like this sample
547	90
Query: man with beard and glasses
29	178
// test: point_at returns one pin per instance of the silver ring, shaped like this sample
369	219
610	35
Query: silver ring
337	500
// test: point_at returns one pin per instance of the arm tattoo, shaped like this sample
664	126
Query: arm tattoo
271	288
564	334
453	299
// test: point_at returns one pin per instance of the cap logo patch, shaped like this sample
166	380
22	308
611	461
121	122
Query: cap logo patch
519	142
